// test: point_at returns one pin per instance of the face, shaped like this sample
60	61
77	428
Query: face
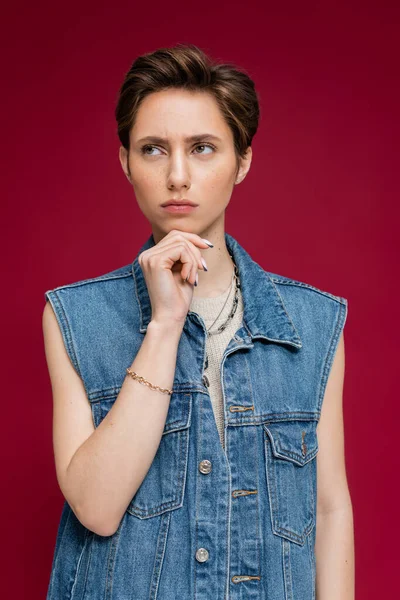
164	164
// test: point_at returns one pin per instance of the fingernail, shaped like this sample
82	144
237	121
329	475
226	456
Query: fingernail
204	263
196	281
207	242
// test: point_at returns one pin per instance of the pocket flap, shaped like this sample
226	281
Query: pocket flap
179	411
295	441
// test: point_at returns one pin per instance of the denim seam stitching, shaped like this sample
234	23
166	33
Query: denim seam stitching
90	280
90	543
111	392
160	555
55	565
178	498
273	496
66	330
340	320
79	562
339	299
287	571
196	529
286	313
311	566
112	552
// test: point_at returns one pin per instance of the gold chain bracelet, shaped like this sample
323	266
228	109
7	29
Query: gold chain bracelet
144	381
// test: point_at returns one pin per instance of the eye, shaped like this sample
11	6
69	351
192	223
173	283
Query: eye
146	147
205	146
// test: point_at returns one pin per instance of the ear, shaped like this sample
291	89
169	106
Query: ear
244	165
123	159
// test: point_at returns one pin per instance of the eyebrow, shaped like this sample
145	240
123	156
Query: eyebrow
191	138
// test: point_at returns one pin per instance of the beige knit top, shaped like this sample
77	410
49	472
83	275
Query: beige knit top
208	309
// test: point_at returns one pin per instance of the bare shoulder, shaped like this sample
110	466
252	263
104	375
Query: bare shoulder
62	374
72	415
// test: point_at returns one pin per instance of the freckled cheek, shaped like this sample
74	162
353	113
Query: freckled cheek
146	184
220	180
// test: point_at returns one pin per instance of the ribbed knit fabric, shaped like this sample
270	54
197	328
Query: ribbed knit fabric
208	309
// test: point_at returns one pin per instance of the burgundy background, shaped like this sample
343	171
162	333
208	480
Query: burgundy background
320	204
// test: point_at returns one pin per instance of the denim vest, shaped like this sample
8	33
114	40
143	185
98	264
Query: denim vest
206	523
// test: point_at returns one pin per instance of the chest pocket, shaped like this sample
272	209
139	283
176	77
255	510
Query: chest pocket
163	487
290	459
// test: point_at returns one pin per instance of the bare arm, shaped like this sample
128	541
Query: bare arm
99	470
334	546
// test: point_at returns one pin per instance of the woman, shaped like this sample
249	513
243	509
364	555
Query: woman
194	392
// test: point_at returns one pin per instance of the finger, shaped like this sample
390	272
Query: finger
197	256
167	256
177	234
189	271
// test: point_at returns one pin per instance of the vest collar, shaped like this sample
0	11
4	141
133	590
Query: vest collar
265	314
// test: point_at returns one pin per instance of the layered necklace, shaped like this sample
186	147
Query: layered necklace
235	284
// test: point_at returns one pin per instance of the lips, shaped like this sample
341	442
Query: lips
183	202
179	209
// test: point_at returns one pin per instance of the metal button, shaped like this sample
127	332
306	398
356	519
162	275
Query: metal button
202	555
205	466
205	380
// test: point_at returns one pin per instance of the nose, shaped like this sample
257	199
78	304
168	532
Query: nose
178	173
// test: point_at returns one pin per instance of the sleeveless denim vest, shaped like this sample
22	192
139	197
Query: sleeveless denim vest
206	523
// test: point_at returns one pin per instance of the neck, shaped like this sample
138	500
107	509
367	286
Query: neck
218	278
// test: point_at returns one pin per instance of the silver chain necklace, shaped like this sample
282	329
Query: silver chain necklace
220	329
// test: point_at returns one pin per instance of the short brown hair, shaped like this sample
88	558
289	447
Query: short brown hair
187	67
